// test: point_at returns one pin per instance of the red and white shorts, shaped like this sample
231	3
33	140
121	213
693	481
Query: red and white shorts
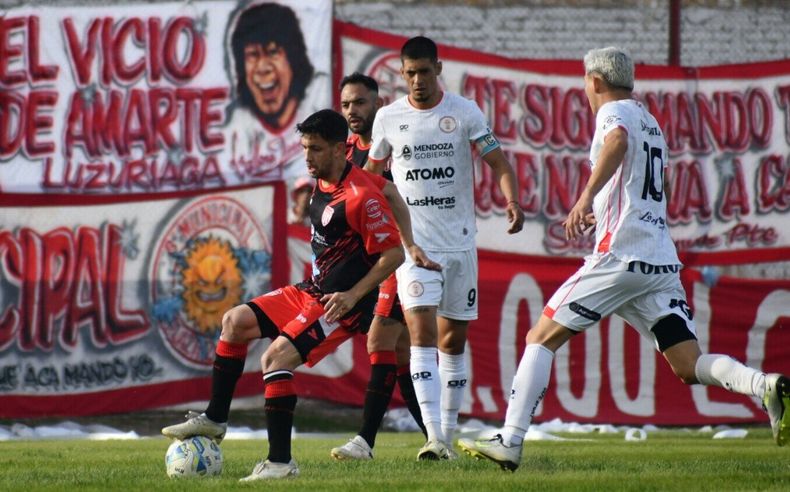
299	316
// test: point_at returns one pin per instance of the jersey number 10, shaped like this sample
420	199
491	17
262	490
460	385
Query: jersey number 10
654	168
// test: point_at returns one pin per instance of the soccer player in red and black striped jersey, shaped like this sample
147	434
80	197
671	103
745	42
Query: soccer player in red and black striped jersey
388	338
356	245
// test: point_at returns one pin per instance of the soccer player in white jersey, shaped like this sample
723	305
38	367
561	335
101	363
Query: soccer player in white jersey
429	135
633	271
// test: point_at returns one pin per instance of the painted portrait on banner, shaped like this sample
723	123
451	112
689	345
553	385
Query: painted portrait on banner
276	85
170	97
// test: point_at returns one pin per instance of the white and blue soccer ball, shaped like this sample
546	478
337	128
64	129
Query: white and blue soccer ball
193	457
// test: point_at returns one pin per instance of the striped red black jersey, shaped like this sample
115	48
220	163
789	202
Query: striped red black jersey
357	153
352	223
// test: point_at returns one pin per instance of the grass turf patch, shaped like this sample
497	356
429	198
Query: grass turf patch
667	460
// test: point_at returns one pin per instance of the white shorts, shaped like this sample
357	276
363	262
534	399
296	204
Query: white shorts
640	293
453	290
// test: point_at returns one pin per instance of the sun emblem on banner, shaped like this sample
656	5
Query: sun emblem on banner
212	255
212	283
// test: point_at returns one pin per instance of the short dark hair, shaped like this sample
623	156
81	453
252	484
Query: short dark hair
263	24
326	123
419	47
359	78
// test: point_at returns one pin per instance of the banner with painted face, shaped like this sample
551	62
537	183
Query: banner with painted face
727	128
112	304
148	98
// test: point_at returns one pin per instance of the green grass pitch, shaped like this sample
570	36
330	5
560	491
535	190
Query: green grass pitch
667	460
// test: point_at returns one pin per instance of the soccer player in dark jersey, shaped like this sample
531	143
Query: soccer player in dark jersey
356	245
359	102
388	339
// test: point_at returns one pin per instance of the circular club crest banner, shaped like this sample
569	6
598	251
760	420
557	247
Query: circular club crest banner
213	255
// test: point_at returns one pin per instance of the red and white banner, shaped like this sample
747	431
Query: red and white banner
137	226
114	304
728	129
607	374
158	97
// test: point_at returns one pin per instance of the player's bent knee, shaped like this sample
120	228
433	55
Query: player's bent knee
232	325
670	331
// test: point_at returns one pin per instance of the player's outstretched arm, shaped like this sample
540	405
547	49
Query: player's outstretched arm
507	183
612	153
402	217
337	304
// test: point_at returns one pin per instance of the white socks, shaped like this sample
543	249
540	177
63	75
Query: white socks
452	371
529	387
726	372
428	388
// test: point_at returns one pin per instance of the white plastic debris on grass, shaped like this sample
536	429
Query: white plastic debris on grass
246	433
398	419
63	430
731	434
634	434
546	431
97	432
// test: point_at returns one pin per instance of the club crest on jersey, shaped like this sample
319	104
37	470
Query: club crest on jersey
415	289
326	217
447	124
373	208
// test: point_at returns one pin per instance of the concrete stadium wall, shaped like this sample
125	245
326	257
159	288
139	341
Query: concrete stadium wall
732	32
712	31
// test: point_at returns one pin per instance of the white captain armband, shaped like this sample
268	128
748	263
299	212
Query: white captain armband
486	143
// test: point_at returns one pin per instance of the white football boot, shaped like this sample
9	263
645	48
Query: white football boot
777	403
494	449
197	424
355	449
269	470
434	450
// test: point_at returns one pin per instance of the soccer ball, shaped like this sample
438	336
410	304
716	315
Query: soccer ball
193	457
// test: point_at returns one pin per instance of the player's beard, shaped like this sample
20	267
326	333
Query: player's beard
366	127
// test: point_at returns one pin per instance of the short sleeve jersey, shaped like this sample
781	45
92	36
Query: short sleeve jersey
631	209
431	152
351	225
